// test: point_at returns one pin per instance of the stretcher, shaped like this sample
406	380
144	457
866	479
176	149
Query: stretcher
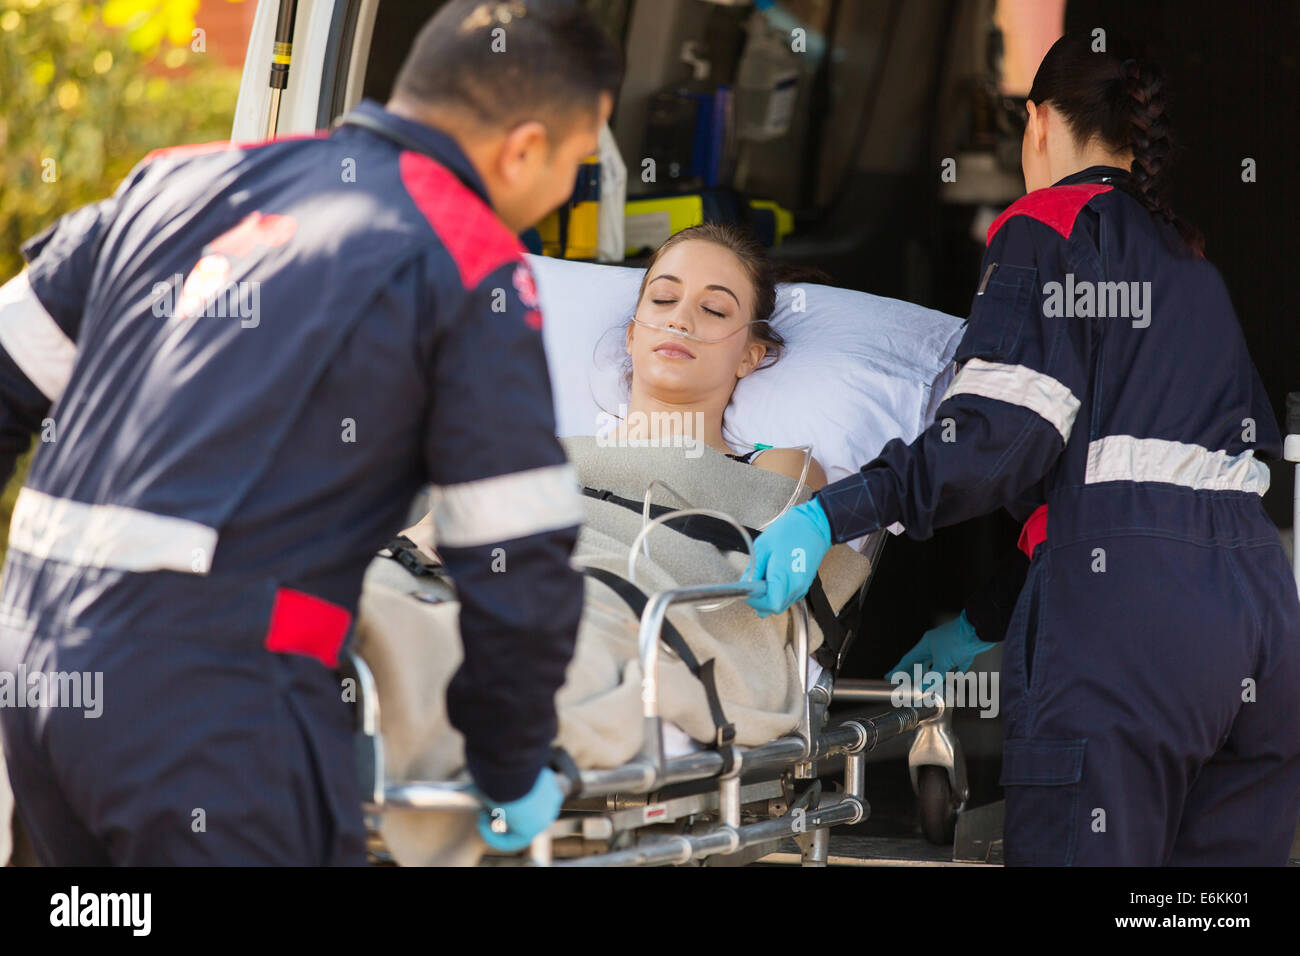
735	804
731	804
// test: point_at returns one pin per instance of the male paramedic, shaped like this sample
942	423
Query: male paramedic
211	482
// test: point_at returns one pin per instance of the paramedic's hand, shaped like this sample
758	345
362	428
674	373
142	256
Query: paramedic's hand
510	826
787	556
948	647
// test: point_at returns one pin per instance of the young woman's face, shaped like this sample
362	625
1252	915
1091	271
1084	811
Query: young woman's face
702	289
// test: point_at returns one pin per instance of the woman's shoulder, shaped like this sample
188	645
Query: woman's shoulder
789	462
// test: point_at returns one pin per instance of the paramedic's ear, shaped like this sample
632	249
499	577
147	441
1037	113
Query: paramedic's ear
1033	149
524	149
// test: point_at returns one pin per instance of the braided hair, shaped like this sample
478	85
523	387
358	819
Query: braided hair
1117	97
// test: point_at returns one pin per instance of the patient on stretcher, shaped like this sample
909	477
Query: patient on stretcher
700	325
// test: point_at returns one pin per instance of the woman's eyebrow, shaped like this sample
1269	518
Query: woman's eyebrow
723	288
672	278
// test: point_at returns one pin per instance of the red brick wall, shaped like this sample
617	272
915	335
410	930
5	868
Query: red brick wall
228	25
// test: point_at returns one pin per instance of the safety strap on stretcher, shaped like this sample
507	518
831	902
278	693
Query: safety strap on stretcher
722	535
406	553
636	599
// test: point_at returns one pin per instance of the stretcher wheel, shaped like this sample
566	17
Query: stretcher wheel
934	793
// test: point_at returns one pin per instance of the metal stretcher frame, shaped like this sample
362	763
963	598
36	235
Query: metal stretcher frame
649	772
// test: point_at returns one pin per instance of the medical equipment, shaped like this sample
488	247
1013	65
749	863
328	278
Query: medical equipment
682	333
651	524
799	486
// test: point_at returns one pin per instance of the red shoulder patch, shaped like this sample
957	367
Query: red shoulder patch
255	229
1058	206
201	149
477	240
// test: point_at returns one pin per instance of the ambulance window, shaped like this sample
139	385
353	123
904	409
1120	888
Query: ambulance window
396	24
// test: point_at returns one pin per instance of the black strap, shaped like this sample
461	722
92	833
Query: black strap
636	599
722	535
704	528
834	633
405	552
564	765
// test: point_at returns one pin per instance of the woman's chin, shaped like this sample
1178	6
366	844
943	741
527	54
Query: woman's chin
668	378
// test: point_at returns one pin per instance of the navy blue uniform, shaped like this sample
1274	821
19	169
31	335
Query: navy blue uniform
244	365
1152	663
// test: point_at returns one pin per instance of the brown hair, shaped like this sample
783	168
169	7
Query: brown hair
763	275
762	272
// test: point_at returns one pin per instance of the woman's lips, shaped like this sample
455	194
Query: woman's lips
673	350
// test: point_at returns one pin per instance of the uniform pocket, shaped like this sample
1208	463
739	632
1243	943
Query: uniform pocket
998	312
1035	625
1023	654
1041	779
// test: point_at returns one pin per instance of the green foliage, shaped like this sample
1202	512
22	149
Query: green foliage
82	101
82	105
9	496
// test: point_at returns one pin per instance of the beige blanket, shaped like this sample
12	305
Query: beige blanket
413	646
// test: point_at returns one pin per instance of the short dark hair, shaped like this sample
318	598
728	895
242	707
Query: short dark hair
509	62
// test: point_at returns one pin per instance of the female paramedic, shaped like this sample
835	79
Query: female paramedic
1151	665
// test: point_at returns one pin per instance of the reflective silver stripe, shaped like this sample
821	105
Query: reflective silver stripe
108	536
1125	458
1018	385
506	507
33	339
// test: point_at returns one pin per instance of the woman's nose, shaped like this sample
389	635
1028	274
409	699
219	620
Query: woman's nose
679	320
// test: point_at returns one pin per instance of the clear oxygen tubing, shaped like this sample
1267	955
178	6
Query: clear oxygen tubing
645	520
690	336
647	523
748	573
789	503
799	486
645	506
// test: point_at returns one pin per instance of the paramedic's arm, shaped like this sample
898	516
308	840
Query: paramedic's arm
507	508
1007	415
40	316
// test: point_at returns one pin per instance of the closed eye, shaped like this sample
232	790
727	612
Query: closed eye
712	312
663	301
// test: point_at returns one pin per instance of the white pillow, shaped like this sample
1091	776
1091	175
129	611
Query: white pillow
857	370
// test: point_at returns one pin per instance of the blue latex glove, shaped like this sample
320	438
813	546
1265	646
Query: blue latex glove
520	820
787	556
948	647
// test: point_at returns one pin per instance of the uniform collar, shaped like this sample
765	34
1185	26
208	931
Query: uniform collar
1110	175
426	139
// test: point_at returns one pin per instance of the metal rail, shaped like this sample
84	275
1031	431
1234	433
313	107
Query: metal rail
650	771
